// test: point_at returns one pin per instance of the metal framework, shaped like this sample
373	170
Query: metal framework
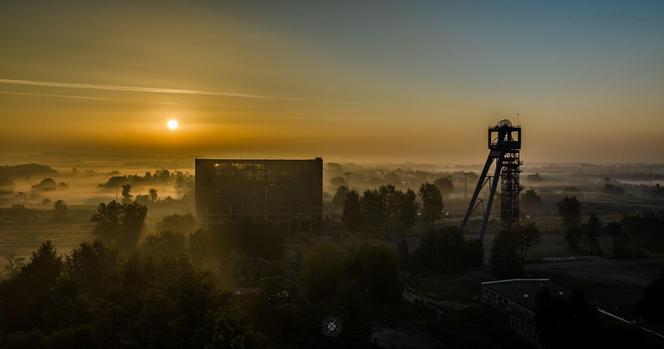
504	142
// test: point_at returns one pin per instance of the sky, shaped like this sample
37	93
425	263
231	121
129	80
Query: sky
345	80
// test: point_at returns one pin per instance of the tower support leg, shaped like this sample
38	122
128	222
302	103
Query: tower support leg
476	193
492	193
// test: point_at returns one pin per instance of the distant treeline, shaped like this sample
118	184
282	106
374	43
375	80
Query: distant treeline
157	177
26	171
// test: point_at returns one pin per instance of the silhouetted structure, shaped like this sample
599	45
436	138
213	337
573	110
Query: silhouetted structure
504	142
515	299
284	192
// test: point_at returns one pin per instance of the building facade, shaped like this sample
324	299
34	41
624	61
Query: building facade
515	299
287	193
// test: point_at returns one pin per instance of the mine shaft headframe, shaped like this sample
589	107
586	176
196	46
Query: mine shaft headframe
504	142
504	136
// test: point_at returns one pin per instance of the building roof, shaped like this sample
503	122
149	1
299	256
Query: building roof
523	291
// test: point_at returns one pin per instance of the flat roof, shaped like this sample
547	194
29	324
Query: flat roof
523	291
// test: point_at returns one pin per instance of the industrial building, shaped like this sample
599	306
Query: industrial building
287	193
515	298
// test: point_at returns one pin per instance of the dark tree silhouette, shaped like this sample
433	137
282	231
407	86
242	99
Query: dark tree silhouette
506	257
530	200
336	182
651	305
529	237
567	320
444	184
591	230
126	193
166	244
352	215
432	203
407	209
377	266
25	295
178	223
60	211
154	196
373	211
97	299
119	225
339	198
569	209
621	246
321	270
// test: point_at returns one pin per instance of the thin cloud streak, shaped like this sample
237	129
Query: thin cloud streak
84	97
137	89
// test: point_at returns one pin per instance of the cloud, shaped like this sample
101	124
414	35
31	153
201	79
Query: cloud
141	89
83	97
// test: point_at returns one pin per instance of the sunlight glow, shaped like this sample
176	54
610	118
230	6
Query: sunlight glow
172	124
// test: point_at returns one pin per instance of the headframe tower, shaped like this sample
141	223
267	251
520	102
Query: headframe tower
504	142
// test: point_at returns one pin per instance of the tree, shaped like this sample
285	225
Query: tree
340	198
530	200
337	182
154	196
377	266
621	244
25	295
178	223
166	244
651	305
634	230
260	240
447	249
432	203
591	230
126	193
97	299
573	237
352	215
119	225
567	320
506	255
444	184
60	210
529	237
569	209
321	269
373	210
408	209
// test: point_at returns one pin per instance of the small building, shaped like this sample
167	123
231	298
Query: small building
287	193
515	298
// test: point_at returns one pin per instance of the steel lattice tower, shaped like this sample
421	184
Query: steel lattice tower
504	142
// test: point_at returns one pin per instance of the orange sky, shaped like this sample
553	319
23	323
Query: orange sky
345	81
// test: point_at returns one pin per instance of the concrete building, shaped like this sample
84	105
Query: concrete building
515	298
288	193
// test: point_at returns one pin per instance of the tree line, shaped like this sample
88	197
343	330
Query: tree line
388	210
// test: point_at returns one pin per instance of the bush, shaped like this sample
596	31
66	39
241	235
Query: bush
505	255
376	265
164	245
447	249
185	223
321	269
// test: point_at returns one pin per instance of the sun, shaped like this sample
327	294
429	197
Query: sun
173	124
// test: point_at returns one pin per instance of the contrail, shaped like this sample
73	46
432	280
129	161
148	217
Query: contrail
137	89
83	97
